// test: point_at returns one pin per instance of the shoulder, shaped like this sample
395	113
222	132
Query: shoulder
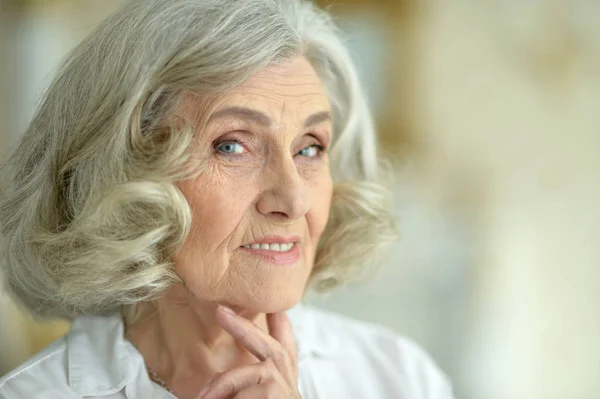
386	356
42	375
92	360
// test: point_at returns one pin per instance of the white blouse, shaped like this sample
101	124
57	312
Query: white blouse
338	358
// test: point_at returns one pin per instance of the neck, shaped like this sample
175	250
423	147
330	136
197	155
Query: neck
182	342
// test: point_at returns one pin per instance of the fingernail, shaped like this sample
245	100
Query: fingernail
228	310
203	391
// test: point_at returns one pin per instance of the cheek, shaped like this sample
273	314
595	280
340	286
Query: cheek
217	211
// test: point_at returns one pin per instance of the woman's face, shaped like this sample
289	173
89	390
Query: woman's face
262	200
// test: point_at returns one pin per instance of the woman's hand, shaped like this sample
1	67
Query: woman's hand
276	376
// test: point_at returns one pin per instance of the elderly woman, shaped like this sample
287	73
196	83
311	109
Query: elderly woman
193	168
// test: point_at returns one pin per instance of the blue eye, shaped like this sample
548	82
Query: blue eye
311	151
230	147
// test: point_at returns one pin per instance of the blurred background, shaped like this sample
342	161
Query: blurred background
491	112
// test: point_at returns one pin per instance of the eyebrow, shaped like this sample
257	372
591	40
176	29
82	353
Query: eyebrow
317	118
263	119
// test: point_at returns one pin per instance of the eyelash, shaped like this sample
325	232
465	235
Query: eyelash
319	147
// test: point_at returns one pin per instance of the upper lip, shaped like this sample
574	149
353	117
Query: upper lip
275	240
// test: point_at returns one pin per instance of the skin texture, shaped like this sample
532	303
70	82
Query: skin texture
262	176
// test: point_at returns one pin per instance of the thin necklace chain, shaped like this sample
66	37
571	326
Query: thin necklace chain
153	376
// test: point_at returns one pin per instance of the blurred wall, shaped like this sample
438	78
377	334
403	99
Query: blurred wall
509	101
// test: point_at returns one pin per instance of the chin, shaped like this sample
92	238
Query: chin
272	301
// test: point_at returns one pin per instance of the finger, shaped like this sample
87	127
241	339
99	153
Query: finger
270	390
258	342
238	379
244	331
281	329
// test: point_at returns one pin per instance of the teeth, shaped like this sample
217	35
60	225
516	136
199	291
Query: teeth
271	247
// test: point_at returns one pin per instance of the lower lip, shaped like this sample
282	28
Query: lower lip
278	258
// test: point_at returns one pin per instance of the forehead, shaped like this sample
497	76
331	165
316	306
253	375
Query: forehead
292	86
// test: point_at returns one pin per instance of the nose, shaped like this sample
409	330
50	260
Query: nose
286	196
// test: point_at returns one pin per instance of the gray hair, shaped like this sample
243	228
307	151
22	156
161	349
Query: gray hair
90	216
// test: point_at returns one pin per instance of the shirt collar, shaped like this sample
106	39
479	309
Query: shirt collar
101	361
310	332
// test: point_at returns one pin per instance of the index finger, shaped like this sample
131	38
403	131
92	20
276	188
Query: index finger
281	329
262	345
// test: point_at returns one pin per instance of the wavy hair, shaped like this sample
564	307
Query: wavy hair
90	216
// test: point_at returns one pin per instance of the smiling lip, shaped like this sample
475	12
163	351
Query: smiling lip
276	240
289	257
